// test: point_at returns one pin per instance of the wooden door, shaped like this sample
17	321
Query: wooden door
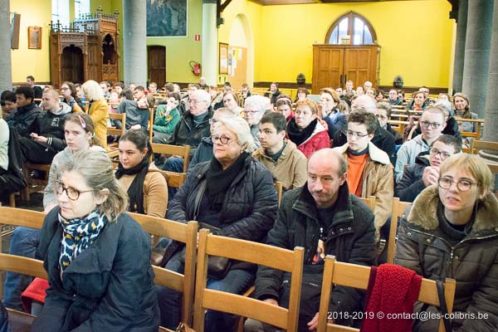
156	62
72	65
327	67
360	65
94	59
333	65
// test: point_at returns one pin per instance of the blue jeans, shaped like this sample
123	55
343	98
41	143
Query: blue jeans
23	242
236	282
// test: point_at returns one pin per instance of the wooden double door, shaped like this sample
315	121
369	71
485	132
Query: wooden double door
333	65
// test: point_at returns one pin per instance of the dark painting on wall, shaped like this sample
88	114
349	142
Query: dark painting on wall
166	18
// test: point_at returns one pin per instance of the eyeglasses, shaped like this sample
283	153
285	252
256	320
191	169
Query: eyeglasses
71	193
381	116
223	139
428	124
251	112
462	184
351	133
442	154
64	89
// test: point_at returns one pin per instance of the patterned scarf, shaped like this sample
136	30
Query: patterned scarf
79	234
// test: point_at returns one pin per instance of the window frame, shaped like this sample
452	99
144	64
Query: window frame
350	16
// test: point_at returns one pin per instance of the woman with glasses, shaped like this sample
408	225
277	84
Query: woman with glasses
306	131
70	97
97	258
452	232
146	186
233	195
79	136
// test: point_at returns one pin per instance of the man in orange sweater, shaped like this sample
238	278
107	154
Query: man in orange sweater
370	172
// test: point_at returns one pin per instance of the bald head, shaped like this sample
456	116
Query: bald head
326	174
364	103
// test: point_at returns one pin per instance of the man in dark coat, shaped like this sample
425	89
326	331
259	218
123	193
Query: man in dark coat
27	112
324	219
425	171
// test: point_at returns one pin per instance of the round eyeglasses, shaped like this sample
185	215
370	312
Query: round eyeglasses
71	193
461	184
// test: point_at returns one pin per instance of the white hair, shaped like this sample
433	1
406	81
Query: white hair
241	129
258	103
202	95
445	105
92	90
364	103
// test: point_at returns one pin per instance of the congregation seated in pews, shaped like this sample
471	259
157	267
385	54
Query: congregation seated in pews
230	190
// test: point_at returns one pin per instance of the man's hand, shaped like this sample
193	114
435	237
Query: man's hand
313	324
271	301
430	176
38	139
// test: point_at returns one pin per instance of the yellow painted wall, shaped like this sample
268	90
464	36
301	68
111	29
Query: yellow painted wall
252	14
415	36
31	61
181	50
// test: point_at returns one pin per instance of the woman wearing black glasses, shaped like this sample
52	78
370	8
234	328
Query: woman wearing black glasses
233	195
97	258
452	232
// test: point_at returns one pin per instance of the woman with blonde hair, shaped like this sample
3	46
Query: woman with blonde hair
451	231
97	258
98	109
233	195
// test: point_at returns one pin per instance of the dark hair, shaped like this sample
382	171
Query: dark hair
120	84
385	106
141	88
276	119
139	138
127	93
8	95
283	101
227	84
27	91
455	142
175	95
30	77
366	118
169	87
72	88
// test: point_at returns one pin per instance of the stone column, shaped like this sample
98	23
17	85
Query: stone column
5	53
209	42
460	45
134	42
477	45
491	116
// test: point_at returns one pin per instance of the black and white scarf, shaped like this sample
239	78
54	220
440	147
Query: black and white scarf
78	235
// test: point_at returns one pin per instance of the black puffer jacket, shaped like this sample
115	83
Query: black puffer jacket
250	205
24	119
411	184
473	262
350	237
108	287
187	133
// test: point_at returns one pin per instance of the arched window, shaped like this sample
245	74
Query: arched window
351	29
